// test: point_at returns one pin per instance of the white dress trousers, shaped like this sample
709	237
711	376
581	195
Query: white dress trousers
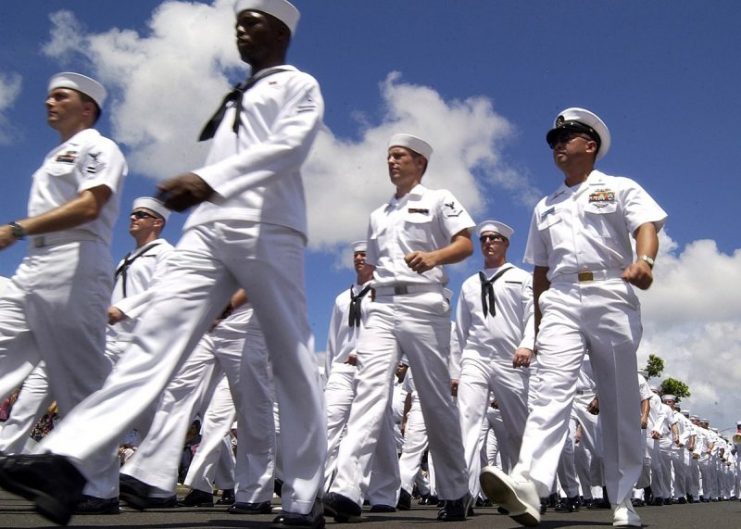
210	262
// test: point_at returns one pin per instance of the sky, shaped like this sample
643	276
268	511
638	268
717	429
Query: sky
482	80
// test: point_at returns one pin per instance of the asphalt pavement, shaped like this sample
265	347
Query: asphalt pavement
16	512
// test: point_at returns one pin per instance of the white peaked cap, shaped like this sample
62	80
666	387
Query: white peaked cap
581	119
152	204
283	10
497	227
81	83
359	246
664	398
413	143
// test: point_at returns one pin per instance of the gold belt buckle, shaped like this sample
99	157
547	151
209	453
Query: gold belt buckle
585	276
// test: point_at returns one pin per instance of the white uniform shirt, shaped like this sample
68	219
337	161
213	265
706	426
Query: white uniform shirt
656	414
643	388
341	338
85	161
257	174
665	427
422	220
146	263
589	226
511	327
3	281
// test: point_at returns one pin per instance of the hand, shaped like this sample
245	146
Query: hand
420	261
115	315
184	191
522	357
593	407
655	435
644	423
352	360
6	237
454	387
639	274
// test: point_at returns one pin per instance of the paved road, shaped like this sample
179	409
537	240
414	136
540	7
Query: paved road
15	512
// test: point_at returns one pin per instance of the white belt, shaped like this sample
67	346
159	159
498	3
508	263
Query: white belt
586	276
62	237
402	290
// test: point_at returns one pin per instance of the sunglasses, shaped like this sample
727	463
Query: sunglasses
494	238
141	215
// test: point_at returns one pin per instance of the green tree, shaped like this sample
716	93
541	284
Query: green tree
654	366
672	386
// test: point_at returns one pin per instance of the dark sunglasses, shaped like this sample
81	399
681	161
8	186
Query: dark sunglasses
141	215
495	237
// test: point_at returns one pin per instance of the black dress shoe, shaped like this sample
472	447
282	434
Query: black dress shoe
198	498
405	501
93	505
227	497
244	507
138	495
314	520
568	504
454	510
380	507
341	508
49	480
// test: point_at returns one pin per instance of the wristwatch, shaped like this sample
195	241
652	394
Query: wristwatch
17	230
649	260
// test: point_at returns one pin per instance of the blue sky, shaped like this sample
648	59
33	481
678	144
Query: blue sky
482	80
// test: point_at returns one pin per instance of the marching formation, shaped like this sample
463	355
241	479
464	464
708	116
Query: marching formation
530	397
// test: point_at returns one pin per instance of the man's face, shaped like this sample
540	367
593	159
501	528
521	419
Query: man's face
405	168
257	35
358	261
493	246
143	222
65	108
571	145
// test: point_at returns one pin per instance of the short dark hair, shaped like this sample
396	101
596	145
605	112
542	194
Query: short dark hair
87	99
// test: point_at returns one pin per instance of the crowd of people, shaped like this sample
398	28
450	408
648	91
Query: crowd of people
533	389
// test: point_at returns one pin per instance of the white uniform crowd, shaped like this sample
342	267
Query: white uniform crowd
529	397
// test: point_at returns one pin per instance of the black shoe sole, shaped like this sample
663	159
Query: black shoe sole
46	505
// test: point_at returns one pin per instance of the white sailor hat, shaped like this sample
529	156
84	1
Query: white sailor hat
694	417
655	389
686	413
414	143
81	83
664	398
153	205
497	227
643	373
738	423
359	246
283	10
581	120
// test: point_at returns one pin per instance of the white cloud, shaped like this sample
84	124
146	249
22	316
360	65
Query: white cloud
692	319
184	60
10	87
350	179
165	83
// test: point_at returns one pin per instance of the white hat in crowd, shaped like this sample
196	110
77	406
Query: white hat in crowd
90	87
411	142
153	205
581	120
495	226
667	397
359	246
284	11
